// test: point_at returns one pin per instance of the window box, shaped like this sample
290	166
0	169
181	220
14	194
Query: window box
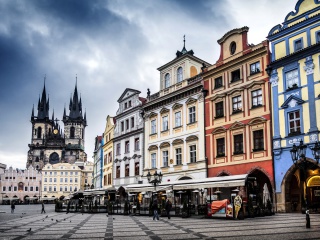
294	86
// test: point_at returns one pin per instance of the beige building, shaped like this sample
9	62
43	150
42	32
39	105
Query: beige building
63	179
108	153
20	185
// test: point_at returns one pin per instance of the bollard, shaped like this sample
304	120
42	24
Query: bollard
307	219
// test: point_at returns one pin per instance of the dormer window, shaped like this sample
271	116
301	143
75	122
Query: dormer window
179	75
167	80
233	47
298	45
235	75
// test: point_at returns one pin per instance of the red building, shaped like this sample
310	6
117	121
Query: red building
238	120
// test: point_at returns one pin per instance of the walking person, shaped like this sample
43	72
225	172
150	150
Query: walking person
155	210
12	207
42	210
168	207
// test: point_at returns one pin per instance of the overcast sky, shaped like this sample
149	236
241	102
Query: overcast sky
110	46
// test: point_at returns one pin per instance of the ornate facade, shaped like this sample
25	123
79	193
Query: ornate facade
174	124
238	120
49	144
98	162
294	78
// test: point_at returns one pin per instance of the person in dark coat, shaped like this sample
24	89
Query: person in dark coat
155	210
12	207
168	207
42	210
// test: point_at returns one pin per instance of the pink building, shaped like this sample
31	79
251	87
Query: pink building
21	186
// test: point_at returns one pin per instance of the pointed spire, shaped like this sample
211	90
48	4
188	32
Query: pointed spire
32	113
53	115
64	113
184	50
43	104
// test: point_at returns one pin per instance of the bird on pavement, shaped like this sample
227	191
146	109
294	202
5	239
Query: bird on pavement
51	219
107	214
70	220
29	230
46	216
64	219
57	220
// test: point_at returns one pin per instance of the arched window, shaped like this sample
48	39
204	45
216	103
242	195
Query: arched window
179	75
167	80
39	132
72	132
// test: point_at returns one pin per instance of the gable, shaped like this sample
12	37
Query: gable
128	93
292	101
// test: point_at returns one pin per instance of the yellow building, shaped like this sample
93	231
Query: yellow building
63	179
108	153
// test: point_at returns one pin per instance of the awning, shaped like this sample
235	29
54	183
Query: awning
48	198
31	198
214	182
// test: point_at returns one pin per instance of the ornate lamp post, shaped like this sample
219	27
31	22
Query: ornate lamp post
157	178
297	153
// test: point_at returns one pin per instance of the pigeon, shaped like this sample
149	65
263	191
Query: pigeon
29	230
20	216
70	220
51	219
113	218
57	220
46	216
64	219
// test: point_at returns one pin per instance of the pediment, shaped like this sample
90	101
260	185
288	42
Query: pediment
152	114
255	83
153	147
237	125
219	130
257	120
177	141
191	100
217	96
176	106
164	110
164	144
191	138
292	101
128	93
235	91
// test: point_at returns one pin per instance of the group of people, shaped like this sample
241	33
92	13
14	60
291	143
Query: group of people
155	207
13	207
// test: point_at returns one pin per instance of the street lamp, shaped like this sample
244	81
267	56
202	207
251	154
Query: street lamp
297	153
157	178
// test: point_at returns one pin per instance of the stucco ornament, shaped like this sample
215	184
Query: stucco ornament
274	80
313	138
292	103
309	66
276	144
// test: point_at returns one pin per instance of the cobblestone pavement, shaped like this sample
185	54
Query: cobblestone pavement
54	225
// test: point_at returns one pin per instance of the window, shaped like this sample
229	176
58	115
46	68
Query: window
127	146
9	189
178	156
258	142
31	189
193	153
109	178
256	98
136	168
127	169
165	123
218	82
50	173
110	156
122	126
72	130
3	188
55	180
179	75
55	188
55	173
153	127
118	172
292	79
25	189
129	103
238	144
71	173
132	122
165	158
65	188
118	148
137	144
220	147
45	180
45	173
254	68
70	188
66	180
76	180
167	80
50	179
192	114
50	189
66	173
318	37
61	189
45	188
125	105
298	45
127	124
61	179
153	160
235	75
294	123
37	189
177	119
219	109
39	132
71	180
236	104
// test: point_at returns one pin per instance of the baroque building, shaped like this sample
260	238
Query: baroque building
98	162
51	144
238	120
128	140
108	136
294	77
174	123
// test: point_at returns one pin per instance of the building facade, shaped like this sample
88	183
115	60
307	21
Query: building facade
174	121
20	185
108	136
237	107
128	139
98	162
294	77
49	144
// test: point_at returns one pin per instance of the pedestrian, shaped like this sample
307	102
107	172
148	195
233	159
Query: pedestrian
168	207
12	207
42	210
155	210
68	207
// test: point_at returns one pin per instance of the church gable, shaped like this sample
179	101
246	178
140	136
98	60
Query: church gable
128	93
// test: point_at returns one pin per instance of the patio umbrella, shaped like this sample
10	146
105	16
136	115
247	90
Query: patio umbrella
266	194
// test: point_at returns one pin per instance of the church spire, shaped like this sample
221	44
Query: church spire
184	50
75	105
43	104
